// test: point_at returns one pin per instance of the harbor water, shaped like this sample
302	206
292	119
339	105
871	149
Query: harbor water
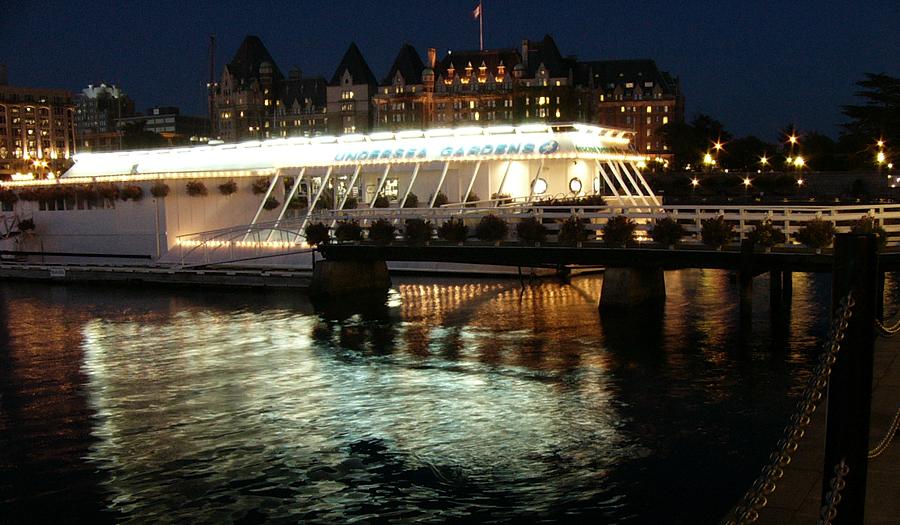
448	400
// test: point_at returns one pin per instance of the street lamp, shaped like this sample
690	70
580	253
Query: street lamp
799	163
763	161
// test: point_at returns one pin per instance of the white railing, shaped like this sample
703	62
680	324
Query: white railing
285	235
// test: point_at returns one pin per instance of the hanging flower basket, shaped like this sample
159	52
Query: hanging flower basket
159	190
271	203
228	188
195	188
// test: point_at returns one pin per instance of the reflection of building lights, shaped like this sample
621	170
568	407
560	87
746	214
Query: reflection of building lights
880	157
641	164
708	160
575	185
539	186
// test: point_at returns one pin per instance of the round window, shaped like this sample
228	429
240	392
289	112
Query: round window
575	185
540	186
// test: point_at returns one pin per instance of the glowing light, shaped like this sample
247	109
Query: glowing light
880	157
695	182
792	139
747	182
799	182
718	146
763	160
641	164
880	143
799	162
708	160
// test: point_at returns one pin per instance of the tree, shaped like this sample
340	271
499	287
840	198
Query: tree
688	142
879	116
744	153
136	137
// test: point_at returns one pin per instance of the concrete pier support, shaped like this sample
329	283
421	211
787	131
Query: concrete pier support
775	291
787	286
332	278
631	287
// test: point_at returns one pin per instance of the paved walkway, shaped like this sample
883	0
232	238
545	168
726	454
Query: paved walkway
797	499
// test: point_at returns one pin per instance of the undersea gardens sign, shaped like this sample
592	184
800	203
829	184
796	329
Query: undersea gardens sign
421	152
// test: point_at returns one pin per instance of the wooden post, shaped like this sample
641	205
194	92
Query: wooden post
850	387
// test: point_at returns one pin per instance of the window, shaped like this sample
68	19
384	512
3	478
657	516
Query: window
665	120
649	109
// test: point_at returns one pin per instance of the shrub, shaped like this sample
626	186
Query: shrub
298	203
317	233
260	186
572	231
351	203
133	192
501	198
454	230
26	225
473	197
195	188
619	230
412	201
382	202
441	200
271	203
418	231
491	228
159	190
86	192
382	231
667	231
8	197
108	191
227	188
766	235
531	230
325	202
716	232
816	233
348	231
867	224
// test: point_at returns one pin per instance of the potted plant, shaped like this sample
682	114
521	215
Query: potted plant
351	203
531	230
867	224
472	198
440	200
816	234
26	225
572	232
195	188
381	202
454	230
271	203
667	231
382	231
418	231
108	191
491	228
8	197
412	201
618	230
716	232
347	231
766	235
316	234
159	190
227	188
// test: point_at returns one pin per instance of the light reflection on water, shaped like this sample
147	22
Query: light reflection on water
444	401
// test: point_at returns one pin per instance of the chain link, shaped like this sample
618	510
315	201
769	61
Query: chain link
886	441
833	497
887	331
756	497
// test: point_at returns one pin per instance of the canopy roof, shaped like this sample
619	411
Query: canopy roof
534	141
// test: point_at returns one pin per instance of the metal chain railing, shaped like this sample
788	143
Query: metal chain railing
887	331
886	441
756	497
833	497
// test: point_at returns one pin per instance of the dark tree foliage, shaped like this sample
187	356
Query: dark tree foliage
879	114
136	137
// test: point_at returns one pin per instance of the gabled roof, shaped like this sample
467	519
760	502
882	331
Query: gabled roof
546	52
603	73
300	89
252	53
408	64
491	58
354	62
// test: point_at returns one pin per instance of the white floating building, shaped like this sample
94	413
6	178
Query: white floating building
230	186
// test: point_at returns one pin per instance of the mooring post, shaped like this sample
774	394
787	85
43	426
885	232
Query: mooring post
775	291
787	286
850	387
745	280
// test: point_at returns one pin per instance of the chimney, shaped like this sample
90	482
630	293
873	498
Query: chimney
432	57
295	73
525	52
2	74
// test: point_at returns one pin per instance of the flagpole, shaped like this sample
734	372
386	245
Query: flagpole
481	24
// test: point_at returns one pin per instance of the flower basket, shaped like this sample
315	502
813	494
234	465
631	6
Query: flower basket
195	188
454	230
667	231
572	232
159	190
412	201
347	231
316	234
766	235
271	203
418	231
131	192
441	200
381	202
260	186
716	232
531	230
867	224
227	188
618	230
491	228
108	191
816	234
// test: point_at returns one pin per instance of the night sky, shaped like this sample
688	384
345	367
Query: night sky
756	66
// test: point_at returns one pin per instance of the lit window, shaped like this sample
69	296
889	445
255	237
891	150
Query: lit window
623	109
539	186
649	109
665	120
575	185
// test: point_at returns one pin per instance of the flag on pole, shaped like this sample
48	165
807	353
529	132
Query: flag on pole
476	13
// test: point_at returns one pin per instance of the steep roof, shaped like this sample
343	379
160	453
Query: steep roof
301	89
354	62
491	58
409	64
608	74
246	62
546	52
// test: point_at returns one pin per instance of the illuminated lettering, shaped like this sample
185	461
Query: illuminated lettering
410	153
386	154
512	149
363	155
487	150
474	150
422	153
501	149
459	153
350	156
528	148
446	152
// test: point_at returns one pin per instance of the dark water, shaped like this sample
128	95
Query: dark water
460	401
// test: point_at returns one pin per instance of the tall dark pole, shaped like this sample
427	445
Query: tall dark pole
850	387
211	87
